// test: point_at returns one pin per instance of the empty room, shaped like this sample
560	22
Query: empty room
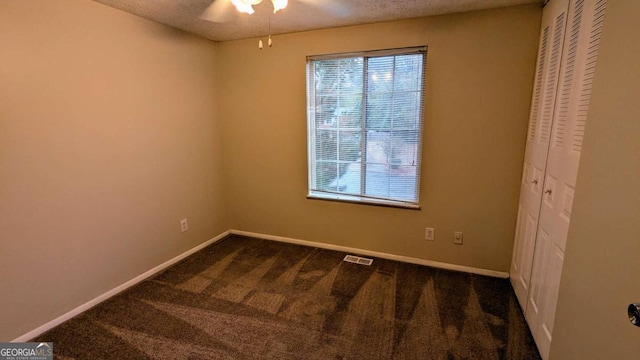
320	179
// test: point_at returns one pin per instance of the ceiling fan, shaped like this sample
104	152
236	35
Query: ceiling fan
220	11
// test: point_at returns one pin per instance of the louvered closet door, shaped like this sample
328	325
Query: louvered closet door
576	77
538	138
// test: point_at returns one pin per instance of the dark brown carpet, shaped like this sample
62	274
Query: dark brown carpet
244	298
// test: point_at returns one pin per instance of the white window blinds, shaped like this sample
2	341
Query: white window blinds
365	125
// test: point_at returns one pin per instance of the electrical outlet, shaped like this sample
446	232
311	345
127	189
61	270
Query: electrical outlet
457	238
184	225
430	234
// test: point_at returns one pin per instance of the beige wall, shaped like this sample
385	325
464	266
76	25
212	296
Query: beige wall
600	276
479	79
108	137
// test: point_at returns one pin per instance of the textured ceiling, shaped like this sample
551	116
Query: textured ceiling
300	15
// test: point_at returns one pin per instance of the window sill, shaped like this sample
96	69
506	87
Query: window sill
314	195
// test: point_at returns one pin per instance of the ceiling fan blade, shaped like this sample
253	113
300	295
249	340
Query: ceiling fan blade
335	7
217	11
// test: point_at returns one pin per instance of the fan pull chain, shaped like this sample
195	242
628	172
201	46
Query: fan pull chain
269	41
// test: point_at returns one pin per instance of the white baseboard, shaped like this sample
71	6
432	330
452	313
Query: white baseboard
93	302
407	259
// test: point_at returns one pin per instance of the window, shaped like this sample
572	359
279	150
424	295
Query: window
364	115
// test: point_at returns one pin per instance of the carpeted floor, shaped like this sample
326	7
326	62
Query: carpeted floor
244	298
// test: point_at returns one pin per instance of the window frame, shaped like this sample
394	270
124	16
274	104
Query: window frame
313	192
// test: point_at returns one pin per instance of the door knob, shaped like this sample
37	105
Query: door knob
548	191
534	182
634	313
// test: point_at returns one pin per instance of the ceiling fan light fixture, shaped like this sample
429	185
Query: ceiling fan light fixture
279	5
245	6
